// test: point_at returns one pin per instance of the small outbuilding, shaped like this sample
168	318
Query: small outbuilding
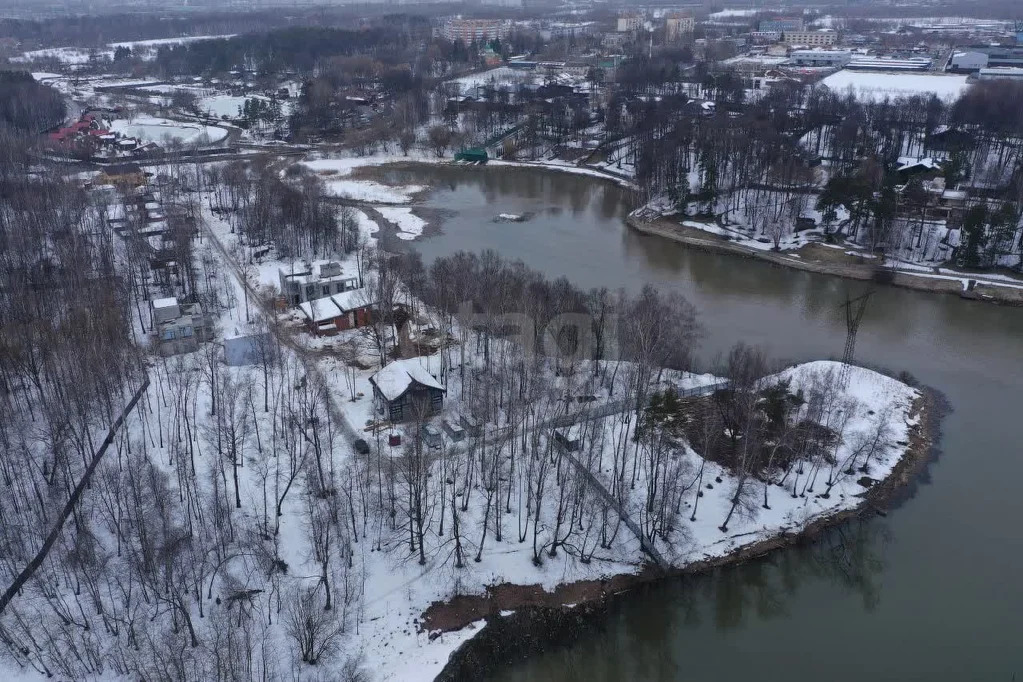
472	155
245	349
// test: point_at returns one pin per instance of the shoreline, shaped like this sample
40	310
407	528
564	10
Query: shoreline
539	620
984	291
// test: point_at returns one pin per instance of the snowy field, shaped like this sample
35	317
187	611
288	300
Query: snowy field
502	75
875	87
223	106
76	56
160	130
334	174
143	44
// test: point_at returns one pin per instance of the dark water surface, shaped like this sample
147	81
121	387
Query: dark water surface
932	592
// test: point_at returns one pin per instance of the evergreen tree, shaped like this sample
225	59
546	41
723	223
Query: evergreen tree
974	236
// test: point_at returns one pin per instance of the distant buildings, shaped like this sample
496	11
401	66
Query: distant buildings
1001	73
810	38
782	24
977	57
475	30
677	24
629	22
835	58
890	64
563	29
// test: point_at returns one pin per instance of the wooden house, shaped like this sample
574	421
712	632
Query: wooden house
404	389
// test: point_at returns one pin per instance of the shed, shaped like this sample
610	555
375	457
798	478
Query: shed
404	388
244	349
472	155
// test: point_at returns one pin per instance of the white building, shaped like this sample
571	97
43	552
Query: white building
811	38
470	30
678	24
891	63
629	22
820	57
968	61
1001	73
304	282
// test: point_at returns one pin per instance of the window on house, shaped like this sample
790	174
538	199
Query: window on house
167	335
326	290
186	332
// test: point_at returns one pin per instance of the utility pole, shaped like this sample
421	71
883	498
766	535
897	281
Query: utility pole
854	309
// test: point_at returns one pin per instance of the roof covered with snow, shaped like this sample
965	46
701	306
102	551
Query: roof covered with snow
396	378
352	299
165	302
907	162
329	307
320	309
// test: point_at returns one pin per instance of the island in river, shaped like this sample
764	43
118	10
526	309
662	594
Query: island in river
522	619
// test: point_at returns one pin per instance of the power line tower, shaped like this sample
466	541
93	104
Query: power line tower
854	309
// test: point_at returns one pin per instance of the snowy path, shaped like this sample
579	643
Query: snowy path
308	363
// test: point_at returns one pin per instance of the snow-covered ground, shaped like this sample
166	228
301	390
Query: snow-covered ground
160	130
157	42
222	106
409	224
76	56
334	174
875	86
502	76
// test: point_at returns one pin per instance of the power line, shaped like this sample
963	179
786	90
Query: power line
854	310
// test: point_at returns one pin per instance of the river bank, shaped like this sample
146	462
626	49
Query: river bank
826	263
524	620
816	258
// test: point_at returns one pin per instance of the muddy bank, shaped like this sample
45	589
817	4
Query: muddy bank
699	239
534	620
